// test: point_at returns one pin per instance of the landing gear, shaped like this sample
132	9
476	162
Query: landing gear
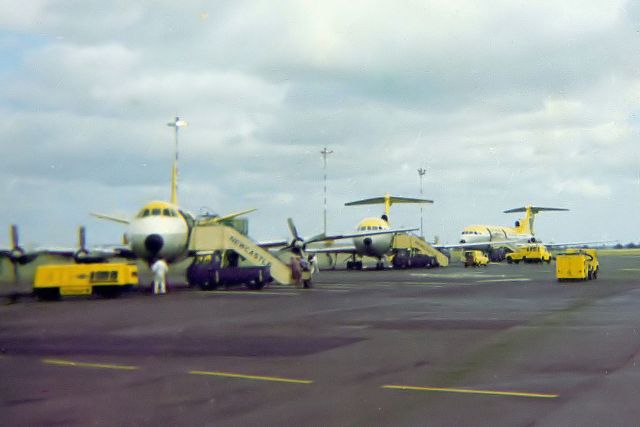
380	265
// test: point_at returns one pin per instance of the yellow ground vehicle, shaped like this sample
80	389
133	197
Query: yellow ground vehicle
103	279
577	264
530	253
475	258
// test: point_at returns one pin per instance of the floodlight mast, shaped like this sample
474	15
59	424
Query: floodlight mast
177	124
325	153
421	173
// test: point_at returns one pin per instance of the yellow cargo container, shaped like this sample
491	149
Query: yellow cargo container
533	253
103	279
577	264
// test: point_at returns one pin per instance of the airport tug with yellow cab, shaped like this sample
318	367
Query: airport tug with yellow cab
532	253
475	258
577	264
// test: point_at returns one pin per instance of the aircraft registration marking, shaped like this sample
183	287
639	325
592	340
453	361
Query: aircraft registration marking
251	377
471	391
59	362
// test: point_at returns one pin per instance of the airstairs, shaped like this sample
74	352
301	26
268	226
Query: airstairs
220	237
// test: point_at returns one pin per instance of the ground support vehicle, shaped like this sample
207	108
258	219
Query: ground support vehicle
210	271
534	253
475	259
409	251
577	264
102	279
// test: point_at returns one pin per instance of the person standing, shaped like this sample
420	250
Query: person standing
313	264
296	270
159	269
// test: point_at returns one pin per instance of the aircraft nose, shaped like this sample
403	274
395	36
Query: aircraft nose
153	243
367	241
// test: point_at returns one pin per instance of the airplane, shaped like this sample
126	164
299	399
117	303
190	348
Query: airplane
162	229
494	239
373	236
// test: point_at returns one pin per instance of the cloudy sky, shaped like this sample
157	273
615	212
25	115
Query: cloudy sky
503	102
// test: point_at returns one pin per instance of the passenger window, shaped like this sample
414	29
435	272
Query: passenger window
166	212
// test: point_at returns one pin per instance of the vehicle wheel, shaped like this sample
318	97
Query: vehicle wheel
48	294
509	261
306	284
349	265
358	265
255	285
517	261
595	274
211	285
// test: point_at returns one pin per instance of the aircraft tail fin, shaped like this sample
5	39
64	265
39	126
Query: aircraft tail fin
525	225
387	200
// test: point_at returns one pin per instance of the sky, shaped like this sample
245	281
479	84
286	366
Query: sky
505	103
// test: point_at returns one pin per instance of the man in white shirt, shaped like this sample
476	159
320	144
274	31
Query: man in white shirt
159	269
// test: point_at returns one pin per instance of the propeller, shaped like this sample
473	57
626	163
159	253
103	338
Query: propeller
298	241
82	255
16	254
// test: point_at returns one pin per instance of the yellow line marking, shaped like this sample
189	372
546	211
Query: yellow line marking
59	362
471	391
251	377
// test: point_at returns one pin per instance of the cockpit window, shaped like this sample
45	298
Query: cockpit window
166	212
156	212
143	213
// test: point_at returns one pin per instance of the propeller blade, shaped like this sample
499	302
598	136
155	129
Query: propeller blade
293	229
82	238
316	238
16	277
13	232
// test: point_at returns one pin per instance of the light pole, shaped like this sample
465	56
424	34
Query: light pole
421	173
177	124
325	153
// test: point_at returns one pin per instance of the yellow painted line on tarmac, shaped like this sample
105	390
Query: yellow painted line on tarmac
472	391
59	362
251	377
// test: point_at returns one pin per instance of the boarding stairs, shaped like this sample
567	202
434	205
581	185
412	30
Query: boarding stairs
207	238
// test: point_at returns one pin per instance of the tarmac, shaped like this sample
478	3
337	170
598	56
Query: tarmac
504	345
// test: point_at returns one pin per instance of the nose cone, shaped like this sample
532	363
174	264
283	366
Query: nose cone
153	243
367	241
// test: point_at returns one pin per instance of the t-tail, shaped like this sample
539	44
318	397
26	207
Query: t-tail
525	225
387	200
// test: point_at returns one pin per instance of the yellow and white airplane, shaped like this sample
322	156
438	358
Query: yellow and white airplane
162	229
496	239
373	236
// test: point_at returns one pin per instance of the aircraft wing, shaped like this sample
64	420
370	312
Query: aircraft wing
332	250
555	245
217	219
272	244
507	243
364	234
111	218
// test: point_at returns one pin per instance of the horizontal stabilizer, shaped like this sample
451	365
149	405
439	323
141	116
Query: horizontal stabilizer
391	199
534	209
111	218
